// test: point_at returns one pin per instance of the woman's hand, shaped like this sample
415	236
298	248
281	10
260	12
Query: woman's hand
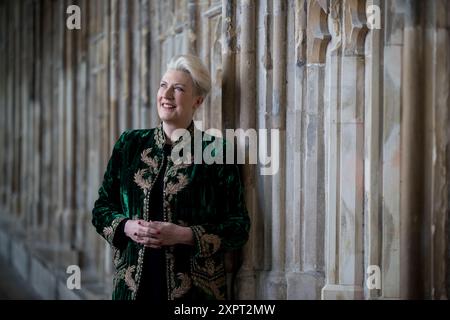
155	234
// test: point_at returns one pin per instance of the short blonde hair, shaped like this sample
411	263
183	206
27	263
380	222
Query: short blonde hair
195	68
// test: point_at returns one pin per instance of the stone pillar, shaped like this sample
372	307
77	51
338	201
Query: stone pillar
17	118
247	79
263	218
391	150
3	103
344	242
47	121
124	115
298	283
69	142
434	225
372	160
412	140
155	61
313	199
228	63
136	63
275	287
59	133
25	124
145	96
114	78
37	120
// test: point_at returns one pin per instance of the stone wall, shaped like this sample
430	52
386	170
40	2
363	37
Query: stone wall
363	116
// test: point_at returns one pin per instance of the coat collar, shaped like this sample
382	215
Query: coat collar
160	137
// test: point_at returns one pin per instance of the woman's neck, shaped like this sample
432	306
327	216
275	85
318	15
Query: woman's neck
170	128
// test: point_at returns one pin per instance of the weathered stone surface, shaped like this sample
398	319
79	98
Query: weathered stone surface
363	119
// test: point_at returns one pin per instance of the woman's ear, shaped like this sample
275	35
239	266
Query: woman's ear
198	102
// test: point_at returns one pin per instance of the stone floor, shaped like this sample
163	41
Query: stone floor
12	286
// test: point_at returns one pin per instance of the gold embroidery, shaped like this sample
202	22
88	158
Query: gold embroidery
211	287
129	278
117	258
107	232
151	162
210	266
139	270
160	137
212	239
168	191
170	274
207	243
140	181
173	188
184	286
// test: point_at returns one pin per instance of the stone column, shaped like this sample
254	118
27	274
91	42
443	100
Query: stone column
47	121
3	105
83	214
145	96
59	132
434	224
124	115
17	115
391	150
297	284
192	27
263	217
228	63
372	160
313	200
38	130
155	61
411	167
247	79
136	63
114	78
69	142
275	287
25	123
344	244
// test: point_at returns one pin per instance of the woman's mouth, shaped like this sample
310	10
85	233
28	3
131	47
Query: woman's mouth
168	106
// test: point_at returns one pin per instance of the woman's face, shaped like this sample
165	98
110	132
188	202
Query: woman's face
177	99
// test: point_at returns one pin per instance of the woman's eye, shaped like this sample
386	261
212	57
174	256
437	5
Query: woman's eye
162	85
179	88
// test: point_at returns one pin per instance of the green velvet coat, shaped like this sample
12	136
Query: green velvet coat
206	197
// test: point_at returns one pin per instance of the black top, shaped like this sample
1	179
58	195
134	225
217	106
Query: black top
153	283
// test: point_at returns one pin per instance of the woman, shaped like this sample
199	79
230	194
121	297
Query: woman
170	223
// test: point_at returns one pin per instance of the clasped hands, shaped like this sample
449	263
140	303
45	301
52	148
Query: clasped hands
155	234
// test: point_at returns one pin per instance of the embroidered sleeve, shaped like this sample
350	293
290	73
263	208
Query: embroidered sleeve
205	244
107	212
231	232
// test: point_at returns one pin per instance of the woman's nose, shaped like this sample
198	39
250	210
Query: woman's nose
168	93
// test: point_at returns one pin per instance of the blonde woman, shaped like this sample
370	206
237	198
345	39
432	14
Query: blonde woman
169	222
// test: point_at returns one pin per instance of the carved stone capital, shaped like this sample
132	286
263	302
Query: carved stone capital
355	28
317	31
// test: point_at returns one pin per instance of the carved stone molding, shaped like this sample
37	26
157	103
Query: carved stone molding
355	28
335	24
317	31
